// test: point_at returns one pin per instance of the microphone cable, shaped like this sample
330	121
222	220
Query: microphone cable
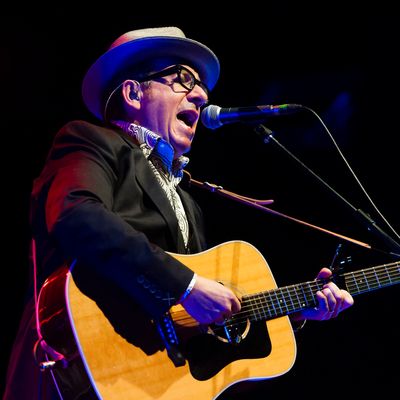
353	173
267	133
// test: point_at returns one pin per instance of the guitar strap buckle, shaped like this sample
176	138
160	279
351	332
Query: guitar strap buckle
57	360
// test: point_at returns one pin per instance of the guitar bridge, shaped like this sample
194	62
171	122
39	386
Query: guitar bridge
169	337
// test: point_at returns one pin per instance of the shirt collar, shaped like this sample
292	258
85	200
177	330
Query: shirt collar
155	148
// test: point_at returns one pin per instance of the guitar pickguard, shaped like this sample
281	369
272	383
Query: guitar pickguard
207	354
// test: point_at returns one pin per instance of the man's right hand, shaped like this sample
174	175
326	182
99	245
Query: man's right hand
210	302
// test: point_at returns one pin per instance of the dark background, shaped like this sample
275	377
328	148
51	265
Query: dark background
343	65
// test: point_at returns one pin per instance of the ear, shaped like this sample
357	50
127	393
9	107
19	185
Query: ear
132	92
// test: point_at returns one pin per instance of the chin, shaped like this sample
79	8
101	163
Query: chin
181	150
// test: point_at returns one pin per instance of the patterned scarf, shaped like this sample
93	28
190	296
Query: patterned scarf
169	172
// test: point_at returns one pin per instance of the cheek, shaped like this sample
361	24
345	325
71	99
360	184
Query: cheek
160	109
153	116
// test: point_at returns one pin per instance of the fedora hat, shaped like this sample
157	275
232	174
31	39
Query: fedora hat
135	52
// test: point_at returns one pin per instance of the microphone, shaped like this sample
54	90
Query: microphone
213	117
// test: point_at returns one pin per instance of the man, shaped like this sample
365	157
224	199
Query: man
108	197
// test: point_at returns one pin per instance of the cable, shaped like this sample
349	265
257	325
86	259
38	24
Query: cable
352	172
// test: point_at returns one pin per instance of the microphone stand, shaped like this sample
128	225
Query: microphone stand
267	135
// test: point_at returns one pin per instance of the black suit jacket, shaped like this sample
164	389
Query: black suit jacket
98	201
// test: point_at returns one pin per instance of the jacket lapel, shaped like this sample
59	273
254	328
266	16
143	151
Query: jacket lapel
196	243
150	185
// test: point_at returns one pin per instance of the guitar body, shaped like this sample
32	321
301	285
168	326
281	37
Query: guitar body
105	362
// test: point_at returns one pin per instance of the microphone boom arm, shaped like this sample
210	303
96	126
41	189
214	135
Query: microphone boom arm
260	205
267	136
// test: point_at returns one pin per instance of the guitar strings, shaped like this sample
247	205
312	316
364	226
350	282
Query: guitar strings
263	305
275	303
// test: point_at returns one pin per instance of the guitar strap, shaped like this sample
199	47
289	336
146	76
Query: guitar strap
52	357
260	205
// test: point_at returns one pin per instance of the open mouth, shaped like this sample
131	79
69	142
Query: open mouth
188	117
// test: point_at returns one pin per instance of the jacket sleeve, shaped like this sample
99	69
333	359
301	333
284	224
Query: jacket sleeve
82	173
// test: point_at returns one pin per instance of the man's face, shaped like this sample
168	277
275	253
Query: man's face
171	110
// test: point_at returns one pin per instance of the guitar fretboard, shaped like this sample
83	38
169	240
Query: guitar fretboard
275	303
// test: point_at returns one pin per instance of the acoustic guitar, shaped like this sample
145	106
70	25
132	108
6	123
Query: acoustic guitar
130	357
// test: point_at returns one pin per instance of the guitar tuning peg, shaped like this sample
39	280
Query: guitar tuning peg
346	261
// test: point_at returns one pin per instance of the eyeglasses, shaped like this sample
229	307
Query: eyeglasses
184	76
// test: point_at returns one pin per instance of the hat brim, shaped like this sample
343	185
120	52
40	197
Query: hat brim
98	81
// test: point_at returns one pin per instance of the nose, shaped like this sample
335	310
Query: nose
198	96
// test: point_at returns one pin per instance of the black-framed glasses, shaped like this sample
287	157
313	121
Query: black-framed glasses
184	76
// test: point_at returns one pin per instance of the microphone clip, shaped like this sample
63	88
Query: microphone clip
264	132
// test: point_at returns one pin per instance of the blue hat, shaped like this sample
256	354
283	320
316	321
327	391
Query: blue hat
134	51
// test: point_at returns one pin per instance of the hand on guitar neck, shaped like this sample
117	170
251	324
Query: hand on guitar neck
212	302
331	301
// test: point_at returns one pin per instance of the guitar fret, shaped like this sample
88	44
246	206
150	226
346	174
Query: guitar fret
355	281
386	278
299	303
273	305
267	308
373	278
257	308
247	303
291	298
365	279
304	295
362	285
254	306
262	306
388	275
311	298
278	301
284	300
377	278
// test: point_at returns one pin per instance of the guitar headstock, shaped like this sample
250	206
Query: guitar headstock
339	262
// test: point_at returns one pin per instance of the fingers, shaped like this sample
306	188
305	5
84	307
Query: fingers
329	305
211	302
221	320
324	273
333	296
228	311
332	300
235	305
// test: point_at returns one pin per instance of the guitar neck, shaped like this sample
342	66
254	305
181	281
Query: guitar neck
289	299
